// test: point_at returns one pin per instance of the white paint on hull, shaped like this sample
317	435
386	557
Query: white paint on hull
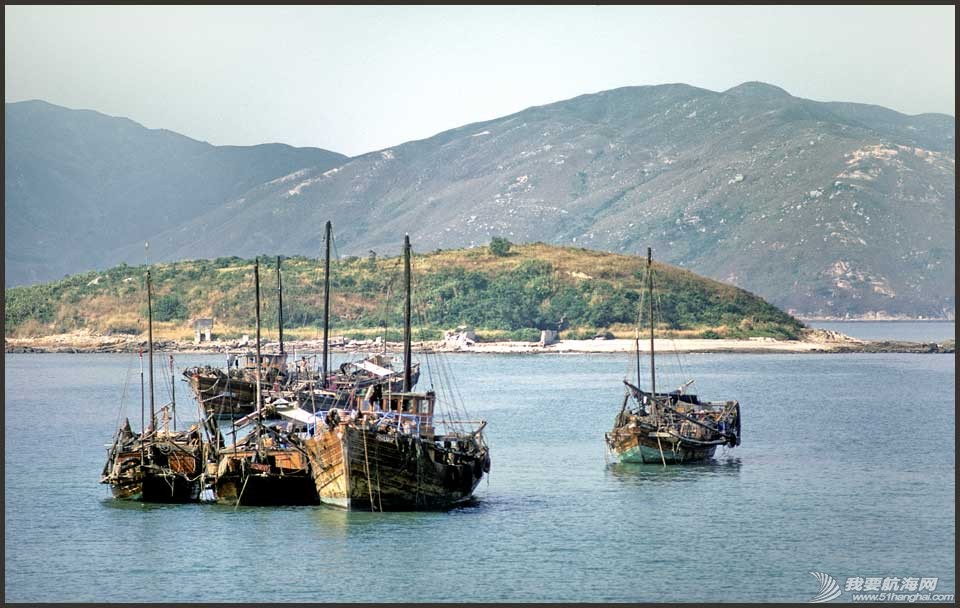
342	503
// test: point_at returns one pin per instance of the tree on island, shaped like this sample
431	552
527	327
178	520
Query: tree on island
500	247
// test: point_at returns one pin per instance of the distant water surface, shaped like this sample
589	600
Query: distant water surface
908	331
846	468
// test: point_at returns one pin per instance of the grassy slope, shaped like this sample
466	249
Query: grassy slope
511	296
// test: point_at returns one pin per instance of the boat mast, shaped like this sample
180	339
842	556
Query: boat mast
326	304
153	415
406	314
280	304
653	373
143	425
173	394
256	281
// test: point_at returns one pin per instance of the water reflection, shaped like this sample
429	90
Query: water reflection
641	474
136	505
338	523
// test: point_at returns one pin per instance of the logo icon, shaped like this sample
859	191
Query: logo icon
829	589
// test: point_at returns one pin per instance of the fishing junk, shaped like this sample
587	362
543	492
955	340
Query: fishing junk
156	465
674	427
232	392
269	465
384	453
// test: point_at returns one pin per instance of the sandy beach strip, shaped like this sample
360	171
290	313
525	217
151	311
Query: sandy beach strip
814	342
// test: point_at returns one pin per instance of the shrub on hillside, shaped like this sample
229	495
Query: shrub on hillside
500	247
169	308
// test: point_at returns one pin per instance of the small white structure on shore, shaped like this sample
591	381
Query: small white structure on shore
460	337
548	337
202	329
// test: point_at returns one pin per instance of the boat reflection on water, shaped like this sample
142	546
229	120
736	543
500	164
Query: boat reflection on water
645	474
339	524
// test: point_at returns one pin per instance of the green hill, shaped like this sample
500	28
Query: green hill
532	287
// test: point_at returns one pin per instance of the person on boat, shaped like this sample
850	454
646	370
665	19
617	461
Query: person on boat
376	396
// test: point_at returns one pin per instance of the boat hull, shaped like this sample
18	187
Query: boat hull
169	488
223	396
160	488
168	477
643	454
264	490
640	448
360	469
282	478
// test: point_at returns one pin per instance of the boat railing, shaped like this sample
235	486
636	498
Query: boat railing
399	418
392	418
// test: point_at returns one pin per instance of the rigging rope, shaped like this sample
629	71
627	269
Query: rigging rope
123	394
366	466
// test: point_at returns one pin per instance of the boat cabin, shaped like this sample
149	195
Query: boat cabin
412	410
268	362
409	403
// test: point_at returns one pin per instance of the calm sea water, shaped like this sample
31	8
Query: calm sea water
846	467
910	331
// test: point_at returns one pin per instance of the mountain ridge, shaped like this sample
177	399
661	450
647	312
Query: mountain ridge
738	185
71	174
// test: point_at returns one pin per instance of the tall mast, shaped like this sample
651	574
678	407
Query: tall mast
406	314
653	373
173	394
256	281
143	424
280	304
326	304
153	415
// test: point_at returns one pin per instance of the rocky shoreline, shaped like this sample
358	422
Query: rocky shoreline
814	341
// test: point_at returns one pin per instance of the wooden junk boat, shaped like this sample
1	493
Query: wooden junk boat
384	452
155	465
232	392
268	466
674	427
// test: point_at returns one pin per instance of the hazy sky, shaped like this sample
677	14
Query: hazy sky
356	79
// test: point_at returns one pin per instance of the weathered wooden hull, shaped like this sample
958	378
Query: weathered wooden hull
639	447
263	490
671	455
127	489
169	488
222	396
365	470
283	480
177	481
